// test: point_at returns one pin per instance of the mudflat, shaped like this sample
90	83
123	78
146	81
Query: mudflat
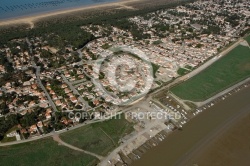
231	148
219	136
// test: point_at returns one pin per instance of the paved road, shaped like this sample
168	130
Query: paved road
200	69
199	104
79	81
223	53
86	105
143	105
56	132
52	104
104	162
178	80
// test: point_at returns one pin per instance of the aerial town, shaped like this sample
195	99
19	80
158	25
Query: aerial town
46	83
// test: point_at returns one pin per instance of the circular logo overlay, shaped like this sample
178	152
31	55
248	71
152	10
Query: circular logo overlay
122	75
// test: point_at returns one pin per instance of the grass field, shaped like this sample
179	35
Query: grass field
182	71
9	139
248	39
230	69
43	153
99	138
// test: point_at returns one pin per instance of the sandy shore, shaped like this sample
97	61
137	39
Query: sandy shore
31	19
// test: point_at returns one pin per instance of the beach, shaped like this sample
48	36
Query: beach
125	4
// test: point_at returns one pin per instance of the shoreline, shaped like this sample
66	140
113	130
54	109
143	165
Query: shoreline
130	156
31	19
214	134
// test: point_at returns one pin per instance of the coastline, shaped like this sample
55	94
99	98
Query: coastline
31	19
185	144
158	136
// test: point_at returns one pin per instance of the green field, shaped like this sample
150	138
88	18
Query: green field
248	39
99	138
230	69
182	71
9	139
44	152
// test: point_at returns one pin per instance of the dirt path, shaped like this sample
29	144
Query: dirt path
61	142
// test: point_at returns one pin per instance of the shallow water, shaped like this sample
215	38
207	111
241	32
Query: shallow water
18	8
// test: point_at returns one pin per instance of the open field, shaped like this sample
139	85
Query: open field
90	139
43	152
9	139
99	138
227	71
248	39
182	71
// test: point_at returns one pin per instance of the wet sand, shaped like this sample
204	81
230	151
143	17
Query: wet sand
86	10
218	136
31	19
230	149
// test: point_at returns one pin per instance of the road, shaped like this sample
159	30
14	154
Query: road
204	66
86	105
143	105
56	132
52	104
178	80
145	101
199	104
199	69
104	162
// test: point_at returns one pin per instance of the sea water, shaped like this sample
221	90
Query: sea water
19	8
